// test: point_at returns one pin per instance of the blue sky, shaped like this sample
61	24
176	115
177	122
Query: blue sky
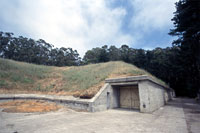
85	24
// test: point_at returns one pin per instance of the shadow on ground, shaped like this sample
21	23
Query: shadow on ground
191	110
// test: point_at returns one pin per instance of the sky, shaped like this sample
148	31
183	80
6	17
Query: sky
85	24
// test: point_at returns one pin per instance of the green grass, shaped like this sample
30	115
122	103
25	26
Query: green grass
3	83
86	76
25	76
21	73
8	67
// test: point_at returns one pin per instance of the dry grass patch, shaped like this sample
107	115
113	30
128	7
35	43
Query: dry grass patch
28	106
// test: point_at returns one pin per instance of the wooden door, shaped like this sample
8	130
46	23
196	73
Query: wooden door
135	103
129	97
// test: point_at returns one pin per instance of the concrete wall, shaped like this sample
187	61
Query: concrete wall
107	98
144	96
82	104
114	94
157	96
152	96
77	105
100	100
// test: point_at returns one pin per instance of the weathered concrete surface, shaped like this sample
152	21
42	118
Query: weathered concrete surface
168	119
192	113
136	79
152	94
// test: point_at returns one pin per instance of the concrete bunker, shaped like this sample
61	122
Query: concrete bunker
136	92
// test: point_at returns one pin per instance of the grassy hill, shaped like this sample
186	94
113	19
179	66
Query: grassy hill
80	81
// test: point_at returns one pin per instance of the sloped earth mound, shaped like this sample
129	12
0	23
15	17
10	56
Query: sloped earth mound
78	81
28	106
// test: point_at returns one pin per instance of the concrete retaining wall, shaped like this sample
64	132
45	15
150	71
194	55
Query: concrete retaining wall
107	98
99	101
152	95
75	103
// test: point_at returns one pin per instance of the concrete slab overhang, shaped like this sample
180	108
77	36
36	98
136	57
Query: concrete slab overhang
134	80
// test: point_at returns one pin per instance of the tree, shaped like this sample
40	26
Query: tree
38	52
92	56
103	57
125	53
187	28
139	58
114	53
96	55
5	39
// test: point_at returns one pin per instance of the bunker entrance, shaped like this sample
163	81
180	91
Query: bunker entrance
129	97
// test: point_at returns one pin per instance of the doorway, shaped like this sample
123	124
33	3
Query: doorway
129	97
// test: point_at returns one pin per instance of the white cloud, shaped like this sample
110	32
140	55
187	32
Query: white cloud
79	24
152	14
84	24
151	17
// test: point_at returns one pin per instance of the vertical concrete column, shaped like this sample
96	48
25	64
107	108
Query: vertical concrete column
144	96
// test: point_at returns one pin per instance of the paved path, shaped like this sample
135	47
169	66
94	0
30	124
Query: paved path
192	114
168	119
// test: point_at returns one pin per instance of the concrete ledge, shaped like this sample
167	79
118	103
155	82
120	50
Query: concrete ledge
42	97
135	79
124	83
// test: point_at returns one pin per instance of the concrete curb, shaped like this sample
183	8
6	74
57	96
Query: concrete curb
41	97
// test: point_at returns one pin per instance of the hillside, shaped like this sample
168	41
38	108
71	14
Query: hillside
80	81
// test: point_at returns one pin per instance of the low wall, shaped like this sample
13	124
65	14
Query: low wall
97	103
74	103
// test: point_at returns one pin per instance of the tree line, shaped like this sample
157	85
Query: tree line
37	52
179	65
